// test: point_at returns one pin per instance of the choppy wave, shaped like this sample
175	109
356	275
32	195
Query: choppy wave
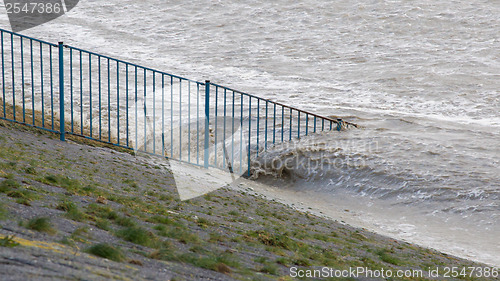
363	165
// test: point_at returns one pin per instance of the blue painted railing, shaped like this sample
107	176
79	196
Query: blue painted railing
136	107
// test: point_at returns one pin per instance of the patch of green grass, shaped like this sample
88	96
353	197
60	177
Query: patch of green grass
101	211
203	222
208	197
166	197
8	185
165	252
23	197
67	183
138	235
387	257
179	233
368	262
65	205
90	190
81	234
301	261
198	249
76	215
103	224
227	259
106	251
270	268
322	237
72	211
41	224
51	179
3	212
220	262
358	235
283	261
216	237
131	183
326	257
125	221
68	241
161	219
280	240
30	170
237	239
260	260
14	189
300	233
8	241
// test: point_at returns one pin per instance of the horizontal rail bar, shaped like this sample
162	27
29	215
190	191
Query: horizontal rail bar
27	37
28	124
126	147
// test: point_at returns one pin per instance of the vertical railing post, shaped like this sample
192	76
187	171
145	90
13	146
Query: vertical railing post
249	133
61	92
339	124
207	121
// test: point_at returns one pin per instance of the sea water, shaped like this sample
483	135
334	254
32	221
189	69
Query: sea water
422	78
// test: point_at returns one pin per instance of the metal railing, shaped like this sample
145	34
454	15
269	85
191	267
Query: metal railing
136	107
